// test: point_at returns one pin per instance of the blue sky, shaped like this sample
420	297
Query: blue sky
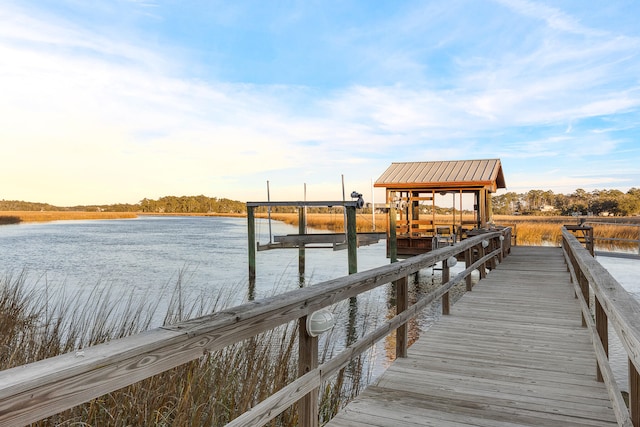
114	101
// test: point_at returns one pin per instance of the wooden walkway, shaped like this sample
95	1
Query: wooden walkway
512	353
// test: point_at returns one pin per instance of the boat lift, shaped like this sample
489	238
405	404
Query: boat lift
350	239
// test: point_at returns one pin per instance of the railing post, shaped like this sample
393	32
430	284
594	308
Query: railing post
446	305
492	261
602	326
584	286
468	260
590	243
308	407
402	303
483	268
634	394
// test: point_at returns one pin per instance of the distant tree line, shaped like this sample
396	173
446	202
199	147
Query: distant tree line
580	202
167	204
17	205
191	204
533	202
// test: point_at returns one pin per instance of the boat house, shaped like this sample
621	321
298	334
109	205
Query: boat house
416	192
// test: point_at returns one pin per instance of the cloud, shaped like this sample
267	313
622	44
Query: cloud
116	111
554	18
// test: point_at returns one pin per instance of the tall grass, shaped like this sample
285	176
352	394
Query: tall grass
9	219
332	222
609	231
212	390
548	230
538	233
13	217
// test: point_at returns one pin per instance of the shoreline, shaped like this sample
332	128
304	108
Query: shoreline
528	230
17	217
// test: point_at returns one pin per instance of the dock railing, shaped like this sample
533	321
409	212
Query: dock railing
604	301
41	389
627	241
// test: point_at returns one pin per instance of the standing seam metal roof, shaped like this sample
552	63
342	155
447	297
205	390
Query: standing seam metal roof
467	173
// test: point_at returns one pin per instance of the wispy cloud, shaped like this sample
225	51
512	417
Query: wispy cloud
125	109
553	17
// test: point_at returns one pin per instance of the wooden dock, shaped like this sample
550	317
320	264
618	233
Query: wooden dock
512	352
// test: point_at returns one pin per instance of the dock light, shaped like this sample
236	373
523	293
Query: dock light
320	321
451	261
485	243
502	238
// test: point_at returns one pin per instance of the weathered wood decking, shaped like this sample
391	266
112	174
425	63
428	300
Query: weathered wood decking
512	353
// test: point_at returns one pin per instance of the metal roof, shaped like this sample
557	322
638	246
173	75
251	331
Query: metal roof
444	174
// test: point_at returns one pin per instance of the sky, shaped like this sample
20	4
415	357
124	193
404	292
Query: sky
105	102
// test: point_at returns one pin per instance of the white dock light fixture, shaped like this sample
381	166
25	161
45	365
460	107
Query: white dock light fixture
320	321
485	243
451	261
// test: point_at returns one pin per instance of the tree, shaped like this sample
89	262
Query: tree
505	204
630	203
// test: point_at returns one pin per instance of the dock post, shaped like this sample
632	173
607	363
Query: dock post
251	232
302	229
352	239
393	240
402	303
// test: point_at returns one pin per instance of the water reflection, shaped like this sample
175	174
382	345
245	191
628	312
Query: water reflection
420	284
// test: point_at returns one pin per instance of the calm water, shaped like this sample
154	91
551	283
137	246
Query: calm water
149	254
147	257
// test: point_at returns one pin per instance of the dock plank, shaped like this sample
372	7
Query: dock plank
512	353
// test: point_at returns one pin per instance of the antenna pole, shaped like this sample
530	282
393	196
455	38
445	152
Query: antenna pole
373	208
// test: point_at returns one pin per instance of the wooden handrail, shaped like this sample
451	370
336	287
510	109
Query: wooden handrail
617	306
35	391
268	409
615	239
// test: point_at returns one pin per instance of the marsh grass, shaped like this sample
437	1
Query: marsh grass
538	233
528	230
333	222
543	230
36	324
14	217
9	219
621	232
